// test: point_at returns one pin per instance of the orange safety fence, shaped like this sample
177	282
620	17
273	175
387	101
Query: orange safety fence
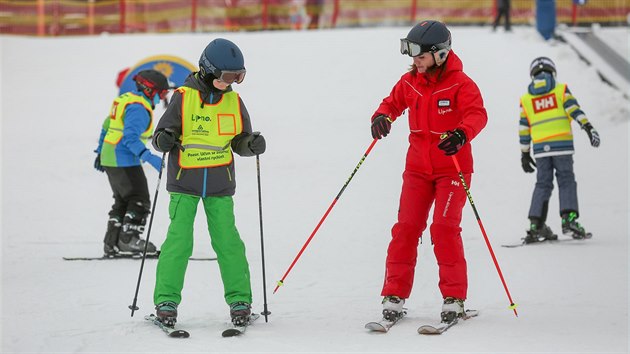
85	17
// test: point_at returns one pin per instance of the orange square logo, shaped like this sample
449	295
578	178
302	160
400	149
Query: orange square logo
227	124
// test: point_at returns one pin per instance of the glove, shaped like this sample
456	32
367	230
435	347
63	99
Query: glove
97	163
381	126
165	140
154	160
452	141
593	135
257	144
527	162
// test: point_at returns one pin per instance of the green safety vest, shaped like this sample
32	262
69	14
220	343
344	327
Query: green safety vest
546	115
116	118
208	129
115	124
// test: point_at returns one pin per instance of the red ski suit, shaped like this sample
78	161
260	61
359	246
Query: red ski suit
446	99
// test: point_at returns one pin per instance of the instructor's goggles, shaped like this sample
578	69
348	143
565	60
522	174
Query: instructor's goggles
414	49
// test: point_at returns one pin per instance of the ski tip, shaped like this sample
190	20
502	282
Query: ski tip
375	327
232	332
179	333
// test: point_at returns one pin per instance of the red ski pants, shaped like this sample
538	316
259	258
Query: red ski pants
419	193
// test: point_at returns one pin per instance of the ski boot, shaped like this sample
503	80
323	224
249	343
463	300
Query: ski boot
393	308
452	309
129	241
538	232
111	236
240	312
166	312
571	227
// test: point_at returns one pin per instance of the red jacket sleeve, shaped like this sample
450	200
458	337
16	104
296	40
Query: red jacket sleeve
395	104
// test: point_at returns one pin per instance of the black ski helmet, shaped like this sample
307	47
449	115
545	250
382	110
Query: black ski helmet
219	55
432	37
151	82
542	64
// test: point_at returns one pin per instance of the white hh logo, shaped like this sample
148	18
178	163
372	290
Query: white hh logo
455	183
545	103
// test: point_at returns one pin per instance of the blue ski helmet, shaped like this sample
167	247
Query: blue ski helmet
428	37
542	64
220	55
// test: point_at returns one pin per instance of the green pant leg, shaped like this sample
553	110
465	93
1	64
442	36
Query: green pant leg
176	249
230	249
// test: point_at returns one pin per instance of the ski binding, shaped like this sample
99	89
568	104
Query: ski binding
170	331
444	326
384	325
235	330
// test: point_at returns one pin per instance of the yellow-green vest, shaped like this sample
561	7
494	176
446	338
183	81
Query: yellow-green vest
546	115
208	129
116	122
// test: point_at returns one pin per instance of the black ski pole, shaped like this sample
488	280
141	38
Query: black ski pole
262	241
133	306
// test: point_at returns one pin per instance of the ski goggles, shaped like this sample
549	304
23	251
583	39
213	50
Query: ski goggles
229	76
151	86
414	49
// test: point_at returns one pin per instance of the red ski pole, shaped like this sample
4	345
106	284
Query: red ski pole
483	231
321	221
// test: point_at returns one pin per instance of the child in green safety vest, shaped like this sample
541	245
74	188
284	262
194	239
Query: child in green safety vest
547	110
205	122
120	152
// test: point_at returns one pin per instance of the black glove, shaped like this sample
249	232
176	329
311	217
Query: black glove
97	163
165	140
593	135
257	144
452	141
381	125
527	162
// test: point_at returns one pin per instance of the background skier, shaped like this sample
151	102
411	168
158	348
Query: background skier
121	148
503	10
210	122
547	110
446	112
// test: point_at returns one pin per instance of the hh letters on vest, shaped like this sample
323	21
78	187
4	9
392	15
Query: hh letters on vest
544	103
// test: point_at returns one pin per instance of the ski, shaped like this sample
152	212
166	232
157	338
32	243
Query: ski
111	257
384	325
238	330
170	331
444	326
523	243
130	256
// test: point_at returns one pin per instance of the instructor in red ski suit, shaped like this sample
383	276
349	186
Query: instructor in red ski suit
446	113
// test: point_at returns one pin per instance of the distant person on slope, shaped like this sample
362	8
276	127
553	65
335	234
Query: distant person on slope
547	110
209	121
121	149
503	10
446	112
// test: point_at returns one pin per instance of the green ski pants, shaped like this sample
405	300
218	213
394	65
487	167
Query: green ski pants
178	247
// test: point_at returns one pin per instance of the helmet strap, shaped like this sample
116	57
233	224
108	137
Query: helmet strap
150	94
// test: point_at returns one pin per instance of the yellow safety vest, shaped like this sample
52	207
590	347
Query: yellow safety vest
208	129
546	115
116	118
